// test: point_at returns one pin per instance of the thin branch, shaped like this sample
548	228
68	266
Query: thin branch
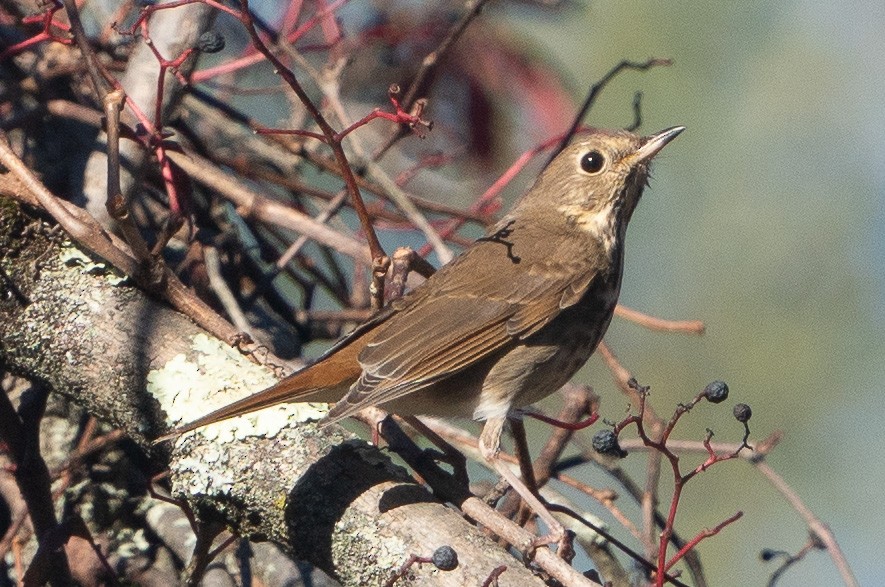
116	203
594	91
92	66
20	432
431	61
654	323
815	525
223	292
380	261
429	65
701	536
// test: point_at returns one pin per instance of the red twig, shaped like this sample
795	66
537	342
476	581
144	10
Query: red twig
147	11
679	479
398	116
585	423
255	56
49	23
701	536
404	568
492	579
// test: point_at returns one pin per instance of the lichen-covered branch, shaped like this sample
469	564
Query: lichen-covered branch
69	321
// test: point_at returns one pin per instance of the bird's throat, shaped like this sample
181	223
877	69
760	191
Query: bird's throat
602	224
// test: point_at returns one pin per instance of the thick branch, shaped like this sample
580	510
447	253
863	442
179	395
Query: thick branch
326	496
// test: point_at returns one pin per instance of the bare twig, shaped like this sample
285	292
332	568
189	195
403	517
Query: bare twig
654	323
92	66
419	85
225	295
203	553
20	432
594	91
116	203
817	527
380	261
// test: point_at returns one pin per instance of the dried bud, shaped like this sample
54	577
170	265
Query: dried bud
211	42
742	413
716	392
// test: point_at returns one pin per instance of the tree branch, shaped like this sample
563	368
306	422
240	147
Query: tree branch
324	495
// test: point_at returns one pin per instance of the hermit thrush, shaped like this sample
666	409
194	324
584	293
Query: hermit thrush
506	323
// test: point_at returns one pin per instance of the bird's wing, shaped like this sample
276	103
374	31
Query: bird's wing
471	311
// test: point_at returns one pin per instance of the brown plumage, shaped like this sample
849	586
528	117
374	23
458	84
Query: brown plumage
507	322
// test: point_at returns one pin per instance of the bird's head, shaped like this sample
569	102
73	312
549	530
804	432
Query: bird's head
596	181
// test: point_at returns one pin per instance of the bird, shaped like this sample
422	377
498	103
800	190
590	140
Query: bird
507	322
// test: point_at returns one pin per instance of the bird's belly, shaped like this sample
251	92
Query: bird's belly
548	359
517	375
456	396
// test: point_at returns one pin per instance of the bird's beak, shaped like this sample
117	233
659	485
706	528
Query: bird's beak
655	143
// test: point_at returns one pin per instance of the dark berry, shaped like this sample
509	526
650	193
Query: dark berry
211	42
742	412
716	392
445	558
606	442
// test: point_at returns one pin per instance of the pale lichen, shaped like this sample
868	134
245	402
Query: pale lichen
72	256
357	537
212	376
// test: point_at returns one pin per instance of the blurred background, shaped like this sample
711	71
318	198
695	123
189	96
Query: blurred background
766	220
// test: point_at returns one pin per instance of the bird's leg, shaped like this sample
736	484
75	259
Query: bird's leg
526	468
489	447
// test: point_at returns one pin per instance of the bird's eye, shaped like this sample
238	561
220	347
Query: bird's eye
592	162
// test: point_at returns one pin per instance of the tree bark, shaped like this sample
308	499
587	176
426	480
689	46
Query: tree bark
329	498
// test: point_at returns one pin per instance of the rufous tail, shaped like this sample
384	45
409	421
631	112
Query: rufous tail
325	381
